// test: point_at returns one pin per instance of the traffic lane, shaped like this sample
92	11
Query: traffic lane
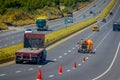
20	40
97	63
55	53
114	71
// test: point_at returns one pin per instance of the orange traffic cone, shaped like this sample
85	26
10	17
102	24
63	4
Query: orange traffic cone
83	59
60	70
74	65
39	75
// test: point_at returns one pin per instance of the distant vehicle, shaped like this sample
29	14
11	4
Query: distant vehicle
111	13
42	23
103	20
116	26
33	50
91	12
85	46
28	31
69	17
95	28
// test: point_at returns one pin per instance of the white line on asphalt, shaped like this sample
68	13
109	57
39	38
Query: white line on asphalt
73	48
69	51
68	70
65	53
51	76
17	71
39	66
110	65
87	58
30	69
13	42
79	64
19	40
5	45
60	56
2	75
103	39
54	59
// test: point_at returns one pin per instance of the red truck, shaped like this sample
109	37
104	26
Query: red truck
33	50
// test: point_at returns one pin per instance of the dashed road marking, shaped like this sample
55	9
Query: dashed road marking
51	76
17	71
65	53
39	66
79	64
60	56
30	69
69	51
2	75
54	59
68	70
73	48
87	58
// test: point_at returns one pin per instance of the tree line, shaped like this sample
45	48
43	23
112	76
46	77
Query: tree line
34	4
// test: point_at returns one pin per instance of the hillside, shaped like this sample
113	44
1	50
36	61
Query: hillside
24	12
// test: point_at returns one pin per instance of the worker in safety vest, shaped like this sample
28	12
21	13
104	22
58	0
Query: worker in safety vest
90	44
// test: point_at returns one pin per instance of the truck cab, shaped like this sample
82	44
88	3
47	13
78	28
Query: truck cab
42	23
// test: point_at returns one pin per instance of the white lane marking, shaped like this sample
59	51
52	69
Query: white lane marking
51	76
19	40
5	45
13	42
17	71
68	70
79	64
103	39
60	56
39	66
95	49
87	58
90	35
65	53
69	51
110	65
73	48
30	69
54	59
2	75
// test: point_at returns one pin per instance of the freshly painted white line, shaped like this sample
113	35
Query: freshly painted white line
79	64
110	65
87	58
51	76
73	48
103	39
13	42
2	75
68	70
54	59
17	71
60	56
65	53
39	66
69	51
30	69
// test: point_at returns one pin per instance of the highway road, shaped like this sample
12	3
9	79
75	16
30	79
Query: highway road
16	37
102	65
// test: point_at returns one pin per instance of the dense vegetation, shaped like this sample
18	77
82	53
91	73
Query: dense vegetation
21	12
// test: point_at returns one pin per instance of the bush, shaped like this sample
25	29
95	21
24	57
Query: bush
3	26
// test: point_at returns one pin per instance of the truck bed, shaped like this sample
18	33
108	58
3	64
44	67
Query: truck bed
29	50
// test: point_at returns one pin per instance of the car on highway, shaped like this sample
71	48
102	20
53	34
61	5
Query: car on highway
28	31
95	28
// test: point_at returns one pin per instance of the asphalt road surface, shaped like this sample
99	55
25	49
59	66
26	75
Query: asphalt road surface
102	65
16	37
